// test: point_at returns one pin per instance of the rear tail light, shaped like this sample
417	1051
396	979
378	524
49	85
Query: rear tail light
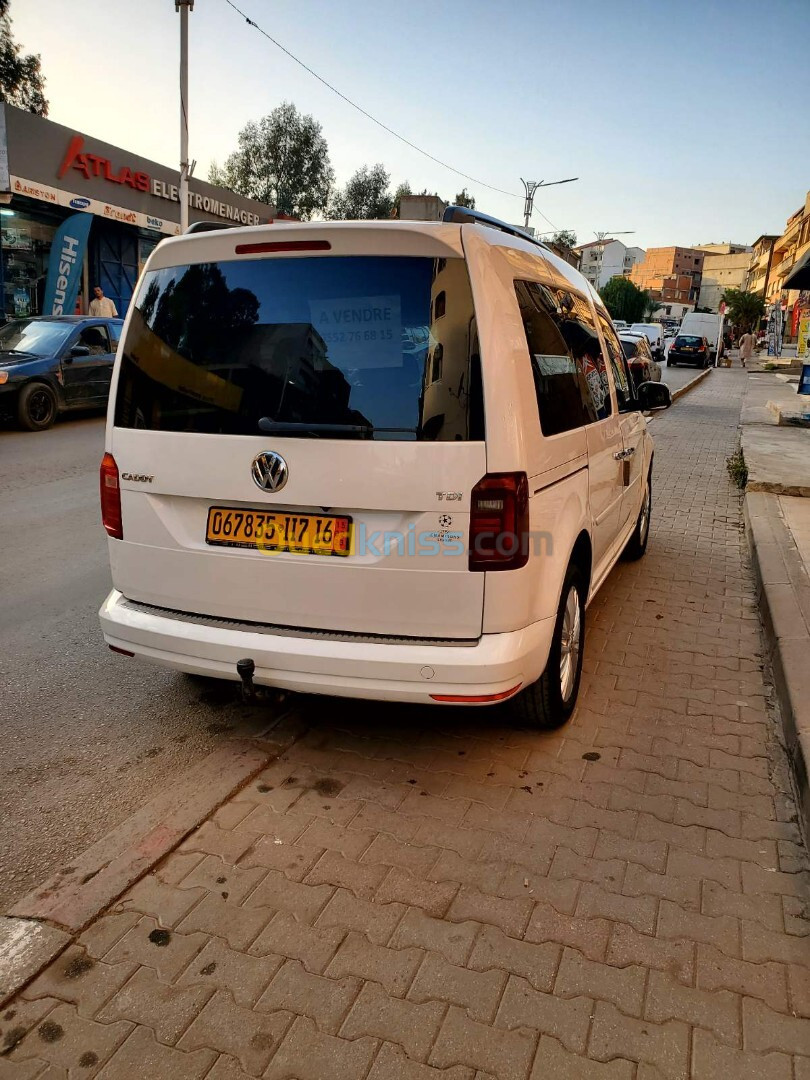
110	498
499	522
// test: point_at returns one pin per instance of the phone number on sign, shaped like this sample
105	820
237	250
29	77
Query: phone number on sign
341	337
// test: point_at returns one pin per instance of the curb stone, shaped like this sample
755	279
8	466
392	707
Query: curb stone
783	592
46	921
690	385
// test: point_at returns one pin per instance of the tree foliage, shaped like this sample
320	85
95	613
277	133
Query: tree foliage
651	305
21	80
564	238
465	199
365	196
282	160
745	309
624	300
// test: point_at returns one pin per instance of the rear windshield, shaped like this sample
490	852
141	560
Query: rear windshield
355	347
629	347
687	339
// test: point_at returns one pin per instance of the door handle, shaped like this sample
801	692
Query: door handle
623	455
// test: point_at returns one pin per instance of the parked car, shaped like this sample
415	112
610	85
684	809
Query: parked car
643	367
291	501
689	349
703	324
620	324
655	336
52	364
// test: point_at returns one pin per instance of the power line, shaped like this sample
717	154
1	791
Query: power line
379	123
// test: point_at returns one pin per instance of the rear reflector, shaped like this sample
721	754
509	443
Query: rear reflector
499	522
471	699
110	498
283	245
124	652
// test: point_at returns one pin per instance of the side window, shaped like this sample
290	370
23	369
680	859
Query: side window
567	365
618	365
96	338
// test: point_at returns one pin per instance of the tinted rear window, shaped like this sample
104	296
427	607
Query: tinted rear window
330	347
687	340
628	347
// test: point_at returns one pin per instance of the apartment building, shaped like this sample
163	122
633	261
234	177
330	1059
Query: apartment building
603	259
788	249
671	274
759	265
725	266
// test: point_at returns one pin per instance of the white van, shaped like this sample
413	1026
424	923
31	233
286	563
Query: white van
703	324
386	460
655	335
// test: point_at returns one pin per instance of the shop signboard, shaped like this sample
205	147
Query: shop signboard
54	164
803	337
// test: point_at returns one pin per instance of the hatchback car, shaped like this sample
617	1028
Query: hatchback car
52	364
385	460
643	367
689	349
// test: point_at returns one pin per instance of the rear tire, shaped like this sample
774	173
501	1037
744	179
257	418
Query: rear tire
549	702
637	544
36	407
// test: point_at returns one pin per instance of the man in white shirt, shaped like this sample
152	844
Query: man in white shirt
102	307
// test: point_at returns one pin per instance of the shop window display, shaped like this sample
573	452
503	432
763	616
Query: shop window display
26	246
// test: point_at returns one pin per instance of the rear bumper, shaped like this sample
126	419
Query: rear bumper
382	671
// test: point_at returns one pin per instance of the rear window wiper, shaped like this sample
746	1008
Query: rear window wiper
281	427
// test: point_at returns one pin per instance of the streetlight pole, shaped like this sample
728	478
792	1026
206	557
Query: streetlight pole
530	186
184	6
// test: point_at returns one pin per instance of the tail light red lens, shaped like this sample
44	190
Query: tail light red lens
110	498
499	522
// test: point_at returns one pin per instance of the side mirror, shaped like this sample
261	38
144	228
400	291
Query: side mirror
79	350
653	396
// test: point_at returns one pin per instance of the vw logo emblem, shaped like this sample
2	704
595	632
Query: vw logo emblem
269	471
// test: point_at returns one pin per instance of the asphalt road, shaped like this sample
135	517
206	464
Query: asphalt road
87	736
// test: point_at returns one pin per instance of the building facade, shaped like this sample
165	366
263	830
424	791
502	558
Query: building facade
759	266
788	248
725	266
671	274
49	173
602	260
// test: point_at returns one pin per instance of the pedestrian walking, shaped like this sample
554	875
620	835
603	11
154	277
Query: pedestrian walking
102	307
746	347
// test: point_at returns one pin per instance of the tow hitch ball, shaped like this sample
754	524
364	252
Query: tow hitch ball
245	669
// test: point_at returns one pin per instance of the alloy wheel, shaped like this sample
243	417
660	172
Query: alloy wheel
570	643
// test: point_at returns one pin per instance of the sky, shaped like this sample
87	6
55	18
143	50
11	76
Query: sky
686	121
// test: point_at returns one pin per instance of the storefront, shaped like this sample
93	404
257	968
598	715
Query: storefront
49	172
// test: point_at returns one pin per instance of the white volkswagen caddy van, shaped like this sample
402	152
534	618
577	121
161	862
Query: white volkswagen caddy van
387	460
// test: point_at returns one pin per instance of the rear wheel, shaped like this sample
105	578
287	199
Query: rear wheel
36	407
550	701
637	544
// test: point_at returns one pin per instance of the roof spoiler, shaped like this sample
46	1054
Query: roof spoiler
209	226
463	215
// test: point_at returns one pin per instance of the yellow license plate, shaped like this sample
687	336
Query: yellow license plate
303	534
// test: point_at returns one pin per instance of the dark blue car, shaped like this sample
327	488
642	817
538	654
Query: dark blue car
52	364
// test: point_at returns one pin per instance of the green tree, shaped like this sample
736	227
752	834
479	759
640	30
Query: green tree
402	189
282	160
745	309
465	199
565	238
624	300
365	196
21	80
651	305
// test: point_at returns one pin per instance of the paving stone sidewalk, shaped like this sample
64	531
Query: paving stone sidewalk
433	895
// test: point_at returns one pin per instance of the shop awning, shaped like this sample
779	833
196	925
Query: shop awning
799	275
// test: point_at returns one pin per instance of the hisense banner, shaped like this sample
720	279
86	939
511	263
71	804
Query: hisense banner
65	265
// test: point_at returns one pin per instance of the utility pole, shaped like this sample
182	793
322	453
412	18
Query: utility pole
184	6
530	186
